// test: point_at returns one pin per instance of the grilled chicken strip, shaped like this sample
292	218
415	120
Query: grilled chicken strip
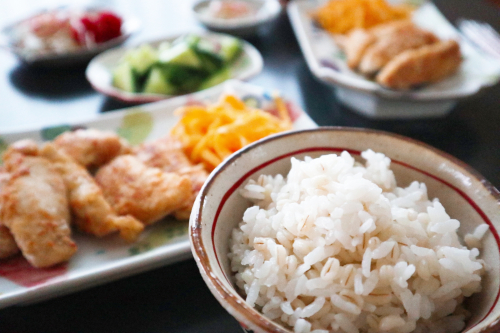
92	213
358	41
91	147
390	44
426	64
35	209
146	193
355	45
8	246
167	154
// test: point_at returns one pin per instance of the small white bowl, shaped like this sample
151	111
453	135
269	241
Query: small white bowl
99	72
219	208
265	12
327	62
130	25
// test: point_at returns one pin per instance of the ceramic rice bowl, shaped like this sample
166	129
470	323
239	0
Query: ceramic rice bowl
464	193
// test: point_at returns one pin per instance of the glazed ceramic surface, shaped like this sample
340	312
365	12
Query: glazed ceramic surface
465	194
100	70
327	62
130	26
99	260
265	11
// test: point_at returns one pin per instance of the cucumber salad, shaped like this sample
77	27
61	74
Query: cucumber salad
189	63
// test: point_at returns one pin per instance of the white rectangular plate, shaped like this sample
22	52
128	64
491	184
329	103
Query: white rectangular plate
100	260
327	62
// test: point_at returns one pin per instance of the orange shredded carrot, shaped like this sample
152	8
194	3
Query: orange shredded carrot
209	134
341	16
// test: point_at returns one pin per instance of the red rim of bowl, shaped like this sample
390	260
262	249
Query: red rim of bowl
248	314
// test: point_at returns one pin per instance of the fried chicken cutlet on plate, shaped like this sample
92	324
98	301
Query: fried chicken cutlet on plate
378	52
358	41
93	148
8	246
47	188
35	209
147	193
92	213
427	64
390	43
90	147
167	154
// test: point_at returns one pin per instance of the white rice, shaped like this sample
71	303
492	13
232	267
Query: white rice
337	246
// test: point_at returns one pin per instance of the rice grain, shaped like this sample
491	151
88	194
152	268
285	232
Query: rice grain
337	245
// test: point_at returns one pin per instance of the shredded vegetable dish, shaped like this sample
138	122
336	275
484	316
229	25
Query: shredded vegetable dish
211	133
341	16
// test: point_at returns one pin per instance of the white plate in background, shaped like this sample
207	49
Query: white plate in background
327	62
265	12
130	25
100	70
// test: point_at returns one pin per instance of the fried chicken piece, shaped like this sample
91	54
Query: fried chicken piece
146	193
356	43
167	154
392	43
92	213
403	54
91	147
426	64
36	211
8	246
4	177
22	147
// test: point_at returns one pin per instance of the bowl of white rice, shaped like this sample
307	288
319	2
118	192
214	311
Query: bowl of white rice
340	229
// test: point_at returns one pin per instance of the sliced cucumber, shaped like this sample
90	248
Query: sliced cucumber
230	48
217	78
211	62
124	78
191	40
188	64
142	58
209	46
157	83
185	78
180	54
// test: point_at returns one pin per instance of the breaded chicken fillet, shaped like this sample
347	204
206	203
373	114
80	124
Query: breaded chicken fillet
389	45
167	154
144	192
91	147
355	45
36	211
8	246
357	42
92	213
427	64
